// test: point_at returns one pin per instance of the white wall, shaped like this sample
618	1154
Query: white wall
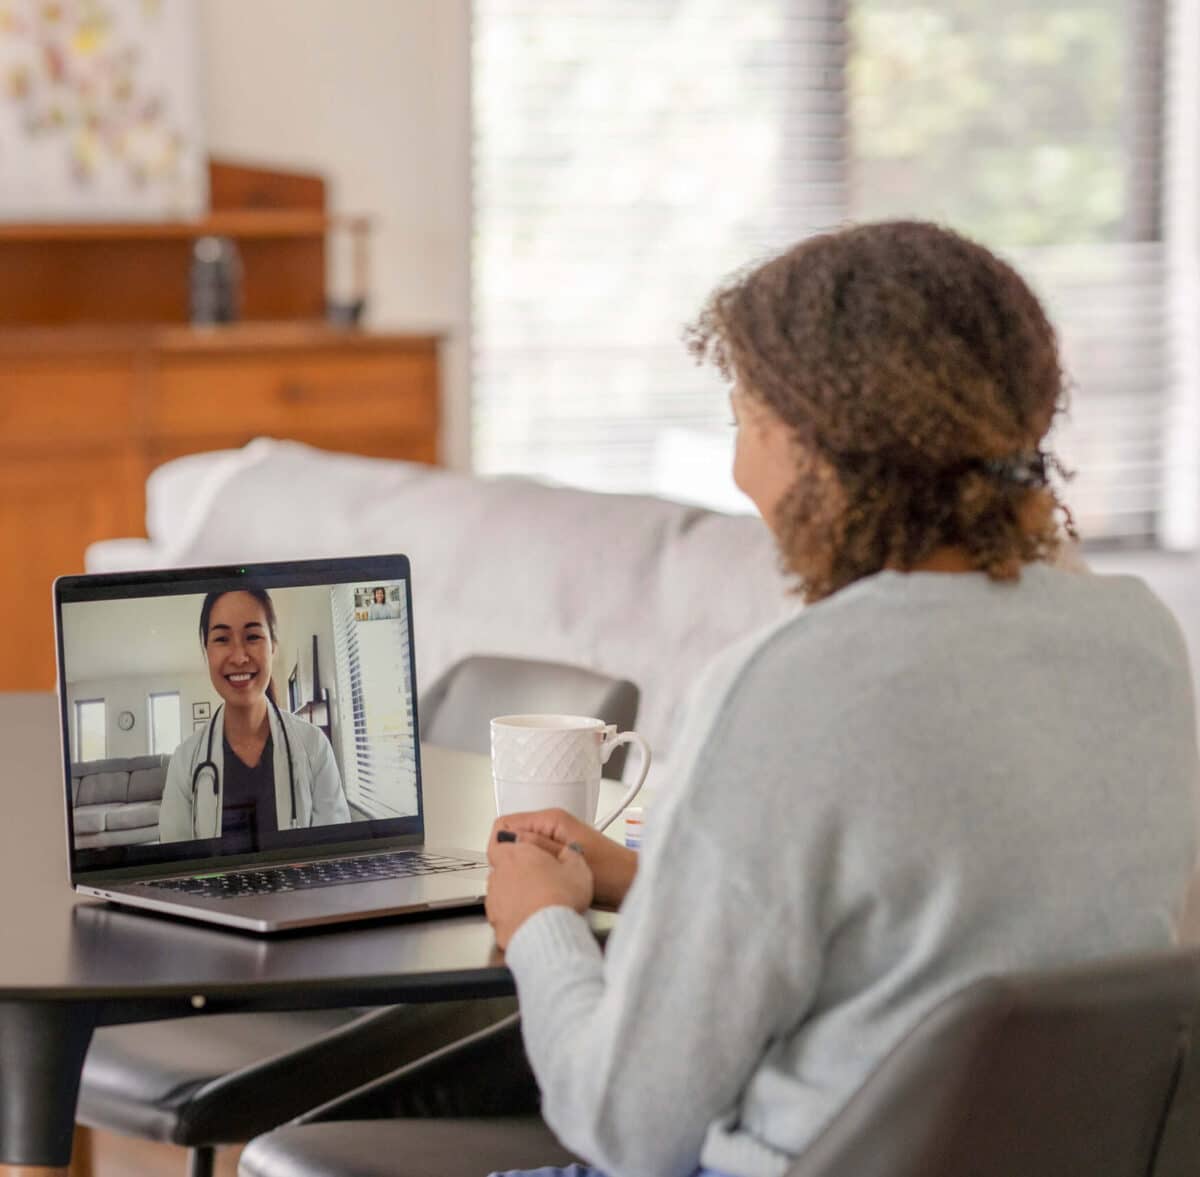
373	94
132	693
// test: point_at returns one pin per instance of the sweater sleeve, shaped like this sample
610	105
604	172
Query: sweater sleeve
638	1051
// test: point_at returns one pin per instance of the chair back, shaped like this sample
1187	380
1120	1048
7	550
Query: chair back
457	709
1089	1071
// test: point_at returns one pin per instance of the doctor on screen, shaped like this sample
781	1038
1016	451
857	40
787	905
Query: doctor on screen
252	768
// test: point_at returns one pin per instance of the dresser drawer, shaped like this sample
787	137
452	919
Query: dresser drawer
67	402
198	396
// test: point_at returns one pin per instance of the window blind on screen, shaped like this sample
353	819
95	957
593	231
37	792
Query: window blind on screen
369	659
629	155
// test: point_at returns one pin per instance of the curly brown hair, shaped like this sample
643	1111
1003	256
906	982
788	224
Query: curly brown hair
918	374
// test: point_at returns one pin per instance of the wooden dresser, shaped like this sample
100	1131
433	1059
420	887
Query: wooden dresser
86	414
102	378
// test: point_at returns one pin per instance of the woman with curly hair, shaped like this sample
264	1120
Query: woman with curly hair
959	760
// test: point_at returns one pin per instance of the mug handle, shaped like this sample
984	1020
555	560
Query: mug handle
610	744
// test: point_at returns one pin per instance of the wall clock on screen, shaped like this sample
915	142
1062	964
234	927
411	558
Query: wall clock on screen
125	720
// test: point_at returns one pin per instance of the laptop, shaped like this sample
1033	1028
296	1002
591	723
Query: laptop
240	745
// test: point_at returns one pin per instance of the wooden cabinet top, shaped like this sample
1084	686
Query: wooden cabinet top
228	223
233	339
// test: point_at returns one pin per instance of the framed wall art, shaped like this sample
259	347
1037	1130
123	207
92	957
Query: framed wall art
100	113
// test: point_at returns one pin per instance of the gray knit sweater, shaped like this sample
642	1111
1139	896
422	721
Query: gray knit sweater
925	778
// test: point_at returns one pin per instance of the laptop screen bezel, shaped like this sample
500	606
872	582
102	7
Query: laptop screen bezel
96	864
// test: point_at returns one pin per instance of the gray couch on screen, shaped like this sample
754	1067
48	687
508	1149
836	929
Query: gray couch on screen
115	802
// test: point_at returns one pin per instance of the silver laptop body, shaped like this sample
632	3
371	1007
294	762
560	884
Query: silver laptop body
159	814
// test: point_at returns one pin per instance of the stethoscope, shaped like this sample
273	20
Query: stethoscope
209	764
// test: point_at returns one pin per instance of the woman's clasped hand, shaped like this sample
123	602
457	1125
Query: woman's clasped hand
556	860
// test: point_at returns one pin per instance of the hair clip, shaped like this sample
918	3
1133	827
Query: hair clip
1025	469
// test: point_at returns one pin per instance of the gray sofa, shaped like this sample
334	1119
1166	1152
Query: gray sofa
116	802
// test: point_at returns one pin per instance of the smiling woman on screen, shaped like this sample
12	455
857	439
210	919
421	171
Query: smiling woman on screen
252	768
958	760
380	609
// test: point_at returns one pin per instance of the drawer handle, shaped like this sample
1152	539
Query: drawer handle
293	392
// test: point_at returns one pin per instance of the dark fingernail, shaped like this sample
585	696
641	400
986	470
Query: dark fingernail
505	836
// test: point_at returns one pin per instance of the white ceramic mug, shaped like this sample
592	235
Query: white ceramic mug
554	762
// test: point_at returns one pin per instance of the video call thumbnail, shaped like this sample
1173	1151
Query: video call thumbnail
238	715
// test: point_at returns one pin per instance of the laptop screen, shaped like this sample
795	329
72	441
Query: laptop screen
218	713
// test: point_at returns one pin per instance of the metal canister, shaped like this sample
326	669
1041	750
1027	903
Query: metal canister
215	281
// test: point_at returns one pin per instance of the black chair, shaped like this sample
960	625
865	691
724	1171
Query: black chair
201	1083
455	711
1088	1072
224	1079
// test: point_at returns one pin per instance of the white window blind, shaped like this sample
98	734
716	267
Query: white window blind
379	741
630	154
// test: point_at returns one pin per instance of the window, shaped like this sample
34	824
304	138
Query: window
1036	127
629	155
91	741
165	723
378	736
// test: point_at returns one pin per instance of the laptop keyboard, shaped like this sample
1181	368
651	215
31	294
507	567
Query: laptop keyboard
302	876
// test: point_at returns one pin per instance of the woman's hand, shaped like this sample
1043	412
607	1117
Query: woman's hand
613	866
526	878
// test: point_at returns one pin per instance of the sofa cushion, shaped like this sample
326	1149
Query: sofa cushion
147	784
141	835
102	788
134	763
89	819
132	817
115	764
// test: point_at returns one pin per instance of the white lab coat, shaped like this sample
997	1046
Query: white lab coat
320	797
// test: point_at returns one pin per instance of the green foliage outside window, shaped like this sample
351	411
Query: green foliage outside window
1000	117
